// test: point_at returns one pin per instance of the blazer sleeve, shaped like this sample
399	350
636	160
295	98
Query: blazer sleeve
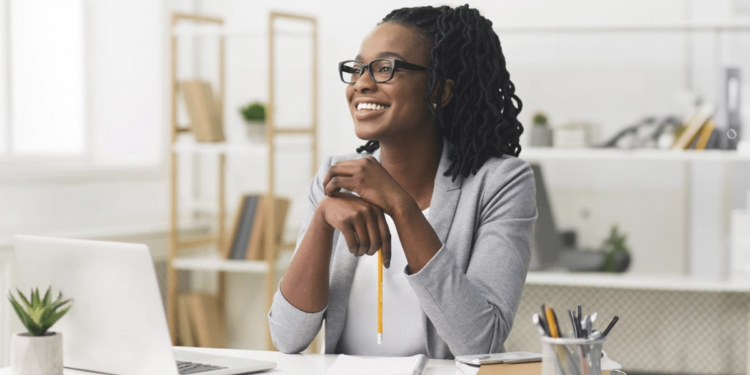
292	330
473	311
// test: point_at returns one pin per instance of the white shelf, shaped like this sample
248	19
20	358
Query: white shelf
208	263
247	148
642	28
644	282
549	153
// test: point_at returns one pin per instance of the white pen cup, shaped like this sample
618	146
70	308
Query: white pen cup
573	356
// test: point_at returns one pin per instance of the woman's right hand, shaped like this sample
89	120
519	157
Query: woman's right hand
362	224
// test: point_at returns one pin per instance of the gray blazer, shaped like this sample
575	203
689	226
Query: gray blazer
469	291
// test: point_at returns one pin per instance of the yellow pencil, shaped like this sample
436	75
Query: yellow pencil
380	297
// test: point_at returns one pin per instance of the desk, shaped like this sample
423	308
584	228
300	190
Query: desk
301	364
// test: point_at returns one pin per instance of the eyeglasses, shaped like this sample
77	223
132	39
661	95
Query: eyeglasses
381	70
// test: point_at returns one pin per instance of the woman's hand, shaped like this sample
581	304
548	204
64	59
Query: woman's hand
361	223
369	180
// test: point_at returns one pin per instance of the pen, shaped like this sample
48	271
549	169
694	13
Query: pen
539	324
576	333
380	296
611	324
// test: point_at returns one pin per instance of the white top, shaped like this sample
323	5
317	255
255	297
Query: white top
403	334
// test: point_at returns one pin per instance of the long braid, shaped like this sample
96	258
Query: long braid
481	118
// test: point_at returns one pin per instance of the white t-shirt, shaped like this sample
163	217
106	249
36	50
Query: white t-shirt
403	333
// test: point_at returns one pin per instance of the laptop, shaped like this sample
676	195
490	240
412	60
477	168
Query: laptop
117	323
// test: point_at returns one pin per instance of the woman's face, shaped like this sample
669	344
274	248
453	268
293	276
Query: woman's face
405	113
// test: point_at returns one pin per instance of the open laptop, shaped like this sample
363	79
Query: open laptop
117	323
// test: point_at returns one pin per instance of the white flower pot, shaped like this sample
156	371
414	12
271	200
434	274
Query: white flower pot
36	355
256	131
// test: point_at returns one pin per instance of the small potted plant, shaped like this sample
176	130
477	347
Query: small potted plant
38	351
616	253
255	117
541	133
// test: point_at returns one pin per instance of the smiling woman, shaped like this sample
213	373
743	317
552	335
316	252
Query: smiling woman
437	190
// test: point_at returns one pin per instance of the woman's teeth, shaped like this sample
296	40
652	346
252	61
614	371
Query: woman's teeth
362	106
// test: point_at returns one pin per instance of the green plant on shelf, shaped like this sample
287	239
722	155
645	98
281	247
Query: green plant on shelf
616	251
39	314
540	119
254	113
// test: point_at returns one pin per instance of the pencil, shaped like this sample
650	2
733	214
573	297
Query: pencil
551	321
380	296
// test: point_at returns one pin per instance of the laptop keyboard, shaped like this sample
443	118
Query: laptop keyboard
193	368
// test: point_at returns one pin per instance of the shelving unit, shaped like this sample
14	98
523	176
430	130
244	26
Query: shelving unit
214	27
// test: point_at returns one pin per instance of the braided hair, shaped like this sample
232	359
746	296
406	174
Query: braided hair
481	119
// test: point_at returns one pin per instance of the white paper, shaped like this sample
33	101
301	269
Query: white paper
348	365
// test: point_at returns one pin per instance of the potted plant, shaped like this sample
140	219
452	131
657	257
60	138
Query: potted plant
541	133
255	117
38	351
616	253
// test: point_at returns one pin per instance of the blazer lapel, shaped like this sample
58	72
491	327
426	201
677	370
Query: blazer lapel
444	197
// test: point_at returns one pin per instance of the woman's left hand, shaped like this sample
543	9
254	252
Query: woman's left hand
369	180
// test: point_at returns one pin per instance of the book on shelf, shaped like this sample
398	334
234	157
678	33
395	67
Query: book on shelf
203	110
249	227
243	225
185	336
705	135
281	208
685	138
206	320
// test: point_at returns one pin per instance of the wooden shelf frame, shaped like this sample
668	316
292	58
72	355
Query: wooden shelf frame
219	240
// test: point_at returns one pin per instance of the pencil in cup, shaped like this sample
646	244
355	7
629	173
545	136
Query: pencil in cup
380	296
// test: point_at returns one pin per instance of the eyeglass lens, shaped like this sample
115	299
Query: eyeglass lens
382	70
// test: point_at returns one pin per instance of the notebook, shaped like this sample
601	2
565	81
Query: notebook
347	365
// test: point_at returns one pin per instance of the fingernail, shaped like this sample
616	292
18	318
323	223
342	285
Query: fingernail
387	263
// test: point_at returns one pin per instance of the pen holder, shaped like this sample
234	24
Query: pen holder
572	356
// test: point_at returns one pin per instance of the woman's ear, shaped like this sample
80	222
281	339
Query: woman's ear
447	94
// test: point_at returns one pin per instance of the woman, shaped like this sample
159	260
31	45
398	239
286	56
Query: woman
437	188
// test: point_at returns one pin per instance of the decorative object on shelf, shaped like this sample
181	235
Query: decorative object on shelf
255	117
574	135
38	351
617	254
541	132
203	110
649	133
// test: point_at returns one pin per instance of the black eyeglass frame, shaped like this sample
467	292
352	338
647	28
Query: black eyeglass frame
396	64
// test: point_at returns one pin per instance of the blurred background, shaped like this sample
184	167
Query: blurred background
176	123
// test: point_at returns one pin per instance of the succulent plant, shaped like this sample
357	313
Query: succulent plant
254	112
39	314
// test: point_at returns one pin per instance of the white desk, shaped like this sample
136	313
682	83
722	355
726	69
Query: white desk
311	364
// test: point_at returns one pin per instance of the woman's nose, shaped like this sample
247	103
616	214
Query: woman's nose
364	82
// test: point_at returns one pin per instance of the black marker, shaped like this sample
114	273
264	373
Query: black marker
611	324
576	333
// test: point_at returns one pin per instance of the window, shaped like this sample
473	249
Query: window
45	78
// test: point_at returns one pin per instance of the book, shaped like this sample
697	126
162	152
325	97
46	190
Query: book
705	135
243	229
257	244
207	320
694	125
185	336
204	113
